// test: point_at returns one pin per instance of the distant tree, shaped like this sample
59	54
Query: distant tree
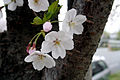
106	35
118	35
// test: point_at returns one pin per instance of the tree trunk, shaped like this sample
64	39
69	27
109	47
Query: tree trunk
88	75
74	67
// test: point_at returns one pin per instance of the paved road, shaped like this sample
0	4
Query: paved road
112	58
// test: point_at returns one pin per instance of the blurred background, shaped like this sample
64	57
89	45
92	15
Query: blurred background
106	61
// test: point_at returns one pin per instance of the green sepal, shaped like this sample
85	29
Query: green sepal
43	33
53	9
37	21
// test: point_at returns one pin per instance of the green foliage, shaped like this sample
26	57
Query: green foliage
53	9
37	21
43	33
115	49
118	35
106	35
115	76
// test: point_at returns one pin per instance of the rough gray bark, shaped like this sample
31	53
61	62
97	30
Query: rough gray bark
86	44
88	75
74	67
13	45
76	64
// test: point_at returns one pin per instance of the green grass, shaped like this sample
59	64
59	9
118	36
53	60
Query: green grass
115	76
115	49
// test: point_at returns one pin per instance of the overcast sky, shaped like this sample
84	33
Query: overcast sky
113	24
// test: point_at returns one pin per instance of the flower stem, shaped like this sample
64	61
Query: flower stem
35	14
43	33
37	37
55	21
33	38
1	7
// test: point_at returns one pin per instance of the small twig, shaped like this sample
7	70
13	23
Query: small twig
89	21
35	13
1	7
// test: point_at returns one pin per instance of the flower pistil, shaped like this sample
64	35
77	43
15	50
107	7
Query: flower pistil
71	24
36	1
56	42
41	57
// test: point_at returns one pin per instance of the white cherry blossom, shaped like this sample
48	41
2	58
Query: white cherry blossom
39	60
1	14
73	22
57	42
38	5
12	4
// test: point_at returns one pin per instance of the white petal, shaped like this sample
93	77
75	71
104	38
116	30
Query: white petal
59	51
64	36
38	64
33	6
1	14
32	57
55	54
12	6
70	15
49	61
70	34
47	46
78	29
19	2
6	1
68	45
63	52
65	26
51	36
44	5
80	19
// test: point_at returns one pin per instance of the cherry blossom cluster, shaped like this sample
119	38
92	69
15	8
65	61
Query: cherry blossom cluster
1	14
55	42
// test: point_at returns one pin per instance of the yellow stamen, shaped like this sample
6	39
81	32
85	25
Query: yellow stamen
36	1
41	57
13	1
57	42
72	24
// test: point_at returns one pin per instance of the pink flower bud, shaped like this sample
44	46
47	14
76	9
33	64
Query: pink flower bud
47	26
31	50
34	45
28	47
